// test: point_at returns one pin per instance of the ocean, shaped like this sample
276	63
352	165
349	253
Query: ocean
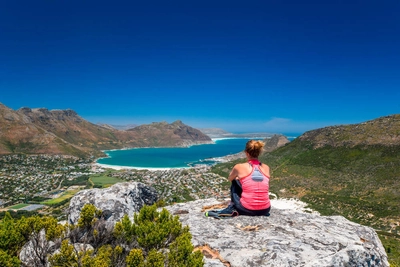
177	157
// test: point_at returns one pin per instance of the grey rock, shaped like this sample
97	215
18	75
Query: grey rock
213	263
81	247
10	117
115	201
35	251
286	238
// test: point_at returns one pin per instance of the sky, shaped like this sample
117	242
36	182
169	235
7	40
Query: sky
243	66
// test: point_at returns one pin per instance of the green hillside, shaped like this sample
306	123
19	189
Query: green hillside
360	182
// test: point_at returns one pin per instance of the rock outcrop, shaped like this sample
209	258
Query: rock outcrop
36	249
275	142
115	201
286	238
290	236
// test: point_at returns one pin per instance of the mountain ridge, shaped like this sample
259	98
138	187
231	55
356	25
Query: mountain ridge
42	131
381	131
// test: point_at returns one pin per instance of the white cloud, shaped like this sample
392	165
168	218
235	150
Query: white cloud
279	125
277	122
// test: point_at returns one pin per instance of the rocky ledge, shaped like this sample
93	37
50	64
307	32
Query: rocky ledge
290	236
286	238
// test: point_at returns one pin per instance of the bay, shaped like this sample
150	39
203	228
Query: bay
176	157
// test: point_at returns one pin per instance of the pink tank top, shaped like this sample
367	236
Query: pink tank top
255	188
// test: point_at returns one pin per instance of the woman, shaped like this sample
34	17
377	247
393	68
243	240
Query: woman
250	183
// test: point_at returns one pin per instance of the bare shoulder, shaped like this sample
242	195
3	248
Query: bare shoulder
263	165
241	165
265	169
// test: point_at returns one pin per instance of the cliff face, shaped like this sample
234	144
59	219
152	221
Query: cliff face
65	132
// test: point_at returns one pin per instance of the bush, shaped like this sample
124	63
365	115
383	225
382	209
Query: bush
154	238
152	233
7	260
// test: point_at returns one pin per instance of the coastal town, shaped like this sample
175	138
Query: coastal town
175	185
26	177
35	179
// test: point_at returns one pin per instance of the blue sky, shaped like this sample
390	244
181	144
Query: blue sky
244	66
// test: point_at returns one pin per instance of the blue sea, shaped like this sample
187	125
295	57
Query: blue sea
177	157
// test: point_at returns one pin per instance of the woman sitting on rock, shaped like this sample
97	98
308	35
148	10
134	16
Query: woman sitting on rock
250	184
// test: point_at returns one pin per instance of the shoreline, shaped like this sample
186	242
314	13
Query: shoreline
118	167
216	160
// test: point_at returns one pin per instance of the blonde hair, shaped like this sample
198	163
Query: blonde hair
254	148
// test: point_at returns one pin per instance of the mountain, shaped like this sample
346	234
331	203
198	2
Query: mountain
164	134
349	170
274	142
64	132
18	134
381	131
118	127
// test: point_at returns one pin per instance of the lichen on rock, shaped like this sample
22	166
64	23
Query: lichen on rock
287	237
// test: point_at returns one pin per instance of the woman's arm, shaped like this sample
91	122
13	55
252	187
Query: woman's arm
234	174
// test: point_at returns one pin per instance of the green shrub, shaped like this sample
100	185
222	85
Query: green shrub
154	238
152	232
135	258
8	261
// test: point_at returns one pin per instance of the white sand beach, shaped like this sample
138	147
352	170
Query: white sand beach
115	167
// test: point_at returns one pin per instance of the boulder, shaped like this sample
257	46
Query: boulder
35	251
115	201
288	237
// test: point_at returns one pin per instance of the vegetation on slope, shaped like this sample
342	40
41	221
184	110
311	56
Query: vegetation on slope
360	183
